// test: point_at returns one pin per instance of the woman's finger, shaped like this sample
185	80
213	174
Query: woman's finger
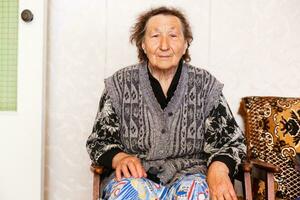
212	197
125	171
132	169
140	169
232	193
227	196
220	197
118	173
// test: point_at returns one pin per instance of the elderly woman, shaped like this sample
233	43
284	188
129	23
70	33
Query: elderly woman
164	128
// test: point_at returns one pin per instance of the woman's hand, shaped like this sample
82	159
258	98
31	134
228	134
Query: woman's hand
128	166
220	186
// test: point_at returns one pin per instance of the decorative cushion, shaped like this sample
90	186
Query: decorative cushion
273	135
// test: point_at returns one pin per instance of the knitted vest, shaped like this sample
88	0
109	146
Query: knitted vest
170	139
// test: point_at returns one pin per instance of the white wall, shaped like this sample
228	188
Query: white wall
251	46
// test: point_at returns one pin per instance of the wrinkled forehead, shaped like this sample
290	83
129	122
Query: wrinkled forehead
164	22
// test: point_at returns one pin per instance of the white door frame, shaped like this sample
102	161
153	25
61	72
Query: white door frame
22	132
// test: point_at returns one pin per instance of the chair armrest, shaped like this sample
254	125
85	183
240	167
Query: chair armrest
265	166
248	165
97	169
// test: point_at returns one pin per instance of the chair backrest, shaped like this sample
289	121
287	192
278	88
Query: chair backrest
273	135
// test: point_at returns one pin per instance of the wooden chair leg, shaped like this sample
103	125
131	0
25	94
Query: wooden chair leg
255	187
270	186
247	182
96	187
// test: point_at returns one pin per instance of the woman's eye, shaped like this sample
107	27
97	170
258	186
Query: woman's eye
173	35
154	36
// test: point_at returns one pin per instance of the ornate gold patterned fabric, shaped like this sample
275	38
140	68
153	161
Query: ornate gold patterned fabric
273	135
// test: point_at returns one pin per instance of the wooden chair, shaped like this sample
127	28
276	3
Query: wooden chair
273	141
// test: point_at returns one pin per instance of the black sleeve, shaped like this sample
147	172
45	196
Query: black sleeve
104	142
224	140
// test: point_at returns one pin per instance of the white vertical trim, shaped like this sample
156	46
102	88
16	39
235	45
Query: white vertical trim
44	97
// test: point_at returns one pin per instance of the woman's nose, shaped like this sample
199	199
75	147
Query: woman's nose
164	43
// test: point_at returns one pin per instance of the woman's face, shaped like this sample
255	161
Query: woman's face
164	42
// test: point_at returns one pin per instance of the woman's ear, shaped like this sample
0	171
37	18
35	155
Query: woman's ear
143	46
185	47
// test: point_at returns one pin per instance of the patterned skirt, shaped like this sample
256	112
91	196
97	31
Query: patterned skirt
192	186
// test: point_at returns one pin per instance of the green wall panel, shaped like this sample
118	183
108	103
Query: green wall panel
8	54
